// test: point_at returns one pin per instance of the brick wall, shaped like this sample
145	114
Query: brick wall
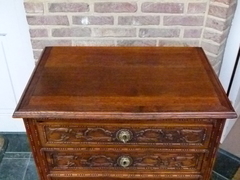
204	23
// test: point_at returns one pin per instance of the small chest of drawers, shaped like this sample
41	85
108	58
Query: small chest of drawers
114	113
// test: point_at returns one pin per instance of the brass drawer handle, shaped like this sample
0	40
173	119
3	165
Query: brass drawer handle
124	135
125	161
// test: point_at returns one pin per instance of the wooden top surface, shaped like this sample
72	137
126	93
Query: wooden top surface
124	82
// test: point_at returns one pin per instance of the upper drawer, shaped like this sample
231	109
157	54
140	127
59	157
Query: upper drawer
74	132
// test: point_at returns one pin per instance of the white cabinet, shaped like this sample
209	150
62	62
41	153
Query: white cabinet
229	59
16	61
7	96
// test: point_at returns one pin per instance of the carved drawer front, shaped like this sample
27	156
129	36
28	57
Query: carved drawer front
141	133
122	178
124	159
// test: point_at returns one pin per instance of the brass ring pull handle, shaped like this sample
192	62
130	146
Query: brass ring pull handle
125	161
124	135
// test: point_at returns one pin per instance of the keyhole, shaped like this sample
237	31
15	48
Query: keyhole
124	135
124	161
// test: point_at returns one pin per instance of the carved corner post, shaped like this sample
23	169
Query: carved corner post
214	144
35	146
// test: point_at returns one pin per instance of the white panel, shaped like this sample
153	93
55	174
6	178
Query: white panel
7	99
18	45
12	125
234	97
229	59
231	50
18	61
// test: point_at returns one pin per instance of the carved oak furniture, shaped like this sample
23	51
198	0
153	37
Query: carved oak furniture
114	113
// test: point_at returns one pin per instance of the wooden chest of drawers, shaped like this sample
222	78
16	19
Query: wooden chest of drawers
113	113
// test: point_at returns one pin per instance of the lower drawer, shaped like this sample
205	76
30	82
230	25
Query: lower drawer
125	178
77	178
133	160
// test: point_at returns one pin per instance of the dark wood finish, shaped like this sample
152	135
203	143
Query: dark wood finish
135	82
124	113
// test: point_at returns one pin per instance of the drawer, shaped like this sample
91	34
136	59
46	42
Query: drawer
123	178
75	133
125	160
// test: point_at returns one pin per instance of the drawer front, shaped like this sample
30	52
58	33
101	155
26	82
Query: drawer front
122	178
72	133
126	160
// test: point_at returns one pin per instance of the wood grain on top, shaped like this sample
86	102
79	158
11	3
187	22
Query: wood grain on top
137	82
